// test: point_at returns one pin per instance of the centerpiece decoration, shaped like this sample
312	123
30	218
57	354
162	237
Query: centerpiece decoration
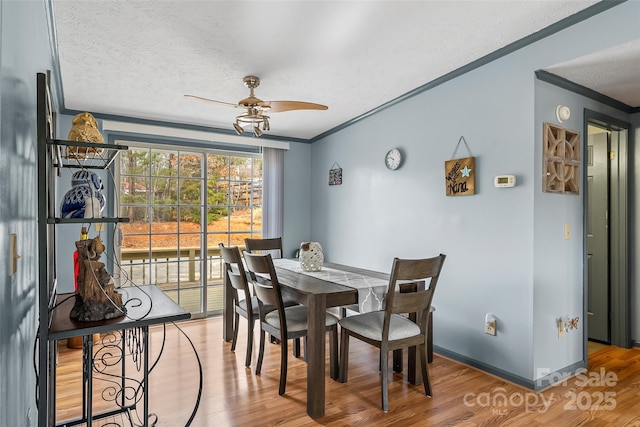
311	256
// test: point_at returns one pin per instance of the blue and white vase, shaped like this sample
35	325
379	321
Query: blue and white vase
85	185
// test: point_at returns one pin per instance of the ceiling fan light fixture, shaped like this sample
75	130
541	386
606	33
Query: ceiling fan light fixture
255	108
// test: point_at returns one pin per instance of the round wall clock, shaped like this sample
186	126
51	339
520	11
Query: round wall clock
393	159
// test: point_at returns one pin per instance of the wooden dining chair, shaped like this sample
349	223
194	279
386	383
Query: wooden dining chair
271	245
244	303
284	323
389	329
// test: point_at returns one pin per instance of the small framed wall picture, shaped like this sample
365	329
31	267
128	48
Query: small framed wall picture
335	174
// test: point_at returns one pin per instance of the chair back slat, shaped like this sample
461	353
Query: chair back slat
265	293
412	302
272	246
419	268
238	282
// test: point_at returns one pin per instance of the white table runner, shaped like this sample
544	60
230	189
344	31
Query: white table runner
371	290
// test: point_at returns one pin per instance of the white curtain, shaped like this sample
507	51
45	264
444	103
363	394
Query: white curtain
272	192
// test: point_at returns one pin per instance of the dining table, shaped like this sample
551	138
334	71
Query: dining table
335	285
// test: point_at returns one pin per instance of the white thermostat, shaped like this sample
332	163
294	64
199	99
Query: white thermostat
504	181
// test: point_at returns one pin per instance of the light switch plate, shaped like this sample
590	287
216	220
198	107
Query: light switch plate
13	254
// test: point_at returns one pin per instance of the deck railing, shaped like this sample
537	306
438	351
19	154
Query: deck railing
167	272
169	258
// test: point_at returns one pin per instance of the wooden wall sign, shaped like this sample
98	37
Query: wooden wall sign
460	176
561	160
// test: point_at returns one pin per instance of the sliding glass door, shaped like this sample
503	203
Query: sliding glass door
181	203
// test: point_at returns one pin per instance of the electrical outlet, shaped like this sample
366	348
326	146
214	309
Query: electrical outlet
560	328
490	324
567	324
490	327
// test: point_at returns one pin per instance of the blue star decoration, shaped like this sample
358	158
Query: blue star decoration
466	171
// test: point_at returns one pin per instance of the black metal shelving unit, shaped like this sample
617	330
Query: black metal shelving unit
130	333
50	159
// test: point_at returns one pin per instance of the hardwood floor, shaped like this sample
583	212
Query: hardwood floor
593	346
233	395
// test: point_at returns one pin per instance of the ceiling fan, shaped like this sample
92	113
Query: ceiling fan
256	108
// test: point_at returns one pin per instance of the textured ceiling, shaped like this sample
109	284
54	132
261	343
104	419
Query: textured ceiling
613	72
138	58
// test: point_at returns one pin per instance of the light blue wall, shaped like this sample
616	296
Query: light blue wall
505	247
378	214
24	51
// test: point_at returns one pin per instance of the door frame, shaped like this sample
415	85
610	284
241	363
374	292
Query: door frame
620	308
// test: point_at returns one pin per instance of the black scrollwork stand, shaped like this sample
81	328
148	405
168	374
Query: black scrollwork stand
121	359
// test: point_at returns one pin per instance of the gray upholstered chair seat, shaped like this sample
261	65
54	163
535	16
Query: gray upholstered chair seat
296	318
369	325
254	305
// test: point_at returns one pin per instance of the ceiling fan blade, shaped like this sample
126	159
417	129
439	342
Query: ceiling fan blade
279	106
225	104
